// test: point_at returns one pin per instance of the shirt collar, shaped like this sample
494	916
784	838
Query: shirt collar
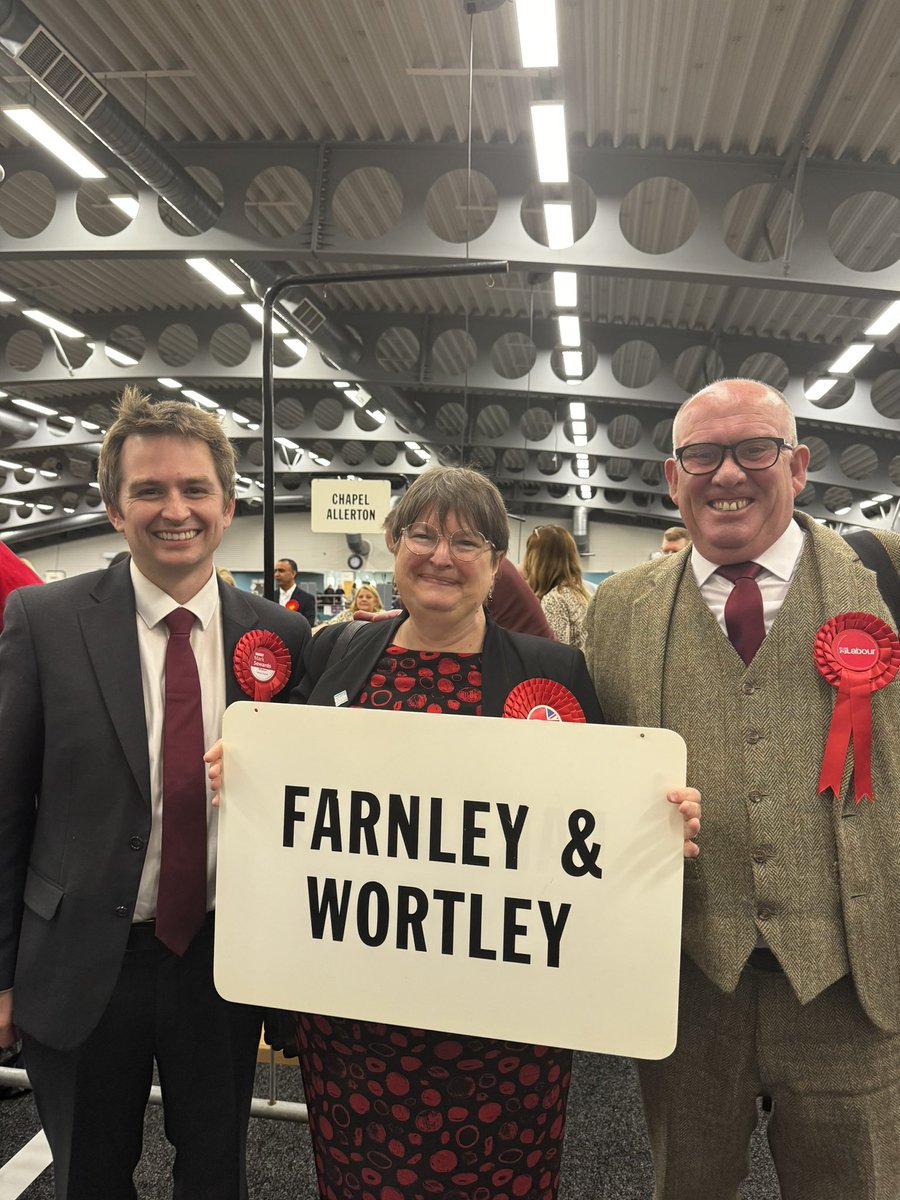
780	558
153	604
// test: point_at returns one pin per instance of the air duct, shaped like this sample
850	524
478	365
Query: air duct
580	530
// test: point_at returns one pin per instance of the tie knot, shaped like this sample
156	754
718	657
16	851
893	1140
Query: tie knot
735	571
180	622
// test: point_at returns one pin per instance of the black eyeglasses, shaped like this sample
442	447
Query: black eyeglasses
750	454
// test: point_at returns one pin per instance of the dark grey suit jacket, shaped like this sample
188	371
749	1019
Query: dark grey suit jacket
75	787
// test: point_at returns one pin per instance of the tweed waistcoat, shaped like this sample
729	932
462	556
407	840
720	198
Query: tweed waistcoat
769	859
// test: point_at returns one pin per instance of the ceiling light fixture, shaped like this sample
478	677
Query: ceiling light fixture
577	412
819	389
128	204
585	492
29	120
218	278
558	220
377	415
30	406
341	384
200	398
8	465
573	363
851	357
537	32
168	382
256	312
548	120
6	298
119	356
569	329
54	323
565	289
298	346
886	322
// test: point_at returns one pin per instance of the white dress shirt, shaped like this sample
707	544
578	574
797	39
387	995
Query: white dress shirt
778	563
152	606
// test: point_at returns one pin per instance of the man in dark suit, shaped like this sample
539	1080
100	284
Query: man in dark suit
85	794
790	979
291	594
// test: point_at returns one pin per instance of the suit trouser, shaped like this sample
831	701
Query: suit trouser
91	1100
834	1077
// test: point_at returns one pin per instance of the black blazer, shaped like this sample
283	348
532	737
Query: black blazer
75	787
306	601
508	659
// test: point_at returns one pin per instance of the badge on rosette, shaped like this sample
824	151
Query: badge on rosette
542	700
858	654
262	664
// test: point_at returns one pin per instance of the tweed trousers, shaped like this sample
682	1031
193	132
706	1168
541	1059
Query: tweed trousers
834	1078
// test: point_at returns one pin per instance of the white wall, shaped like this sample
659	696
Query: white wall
613	547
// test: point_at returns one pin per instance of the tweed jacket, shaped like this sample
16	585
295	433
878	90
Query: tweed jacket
75	806
628	625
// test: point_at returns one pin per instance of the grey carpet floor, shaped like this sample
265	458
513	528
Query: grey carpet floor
606	1154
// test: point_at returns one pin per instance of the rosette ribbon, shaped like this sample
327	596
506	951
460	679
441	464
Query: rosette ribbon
293	606
542	700
858	654
262	664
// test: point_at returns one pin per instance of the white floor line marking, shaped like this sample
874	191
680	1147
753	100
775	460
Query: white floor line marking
23	1168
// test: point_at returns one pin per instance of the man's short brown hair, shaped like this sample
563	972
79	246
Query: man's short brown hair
138	414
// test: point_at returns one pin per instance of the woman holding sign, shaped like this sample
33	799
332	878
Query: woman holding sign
397	1112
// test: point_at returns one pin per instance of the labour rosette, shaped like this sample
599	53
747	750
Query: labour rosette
262	664
542	700
858	654
293	606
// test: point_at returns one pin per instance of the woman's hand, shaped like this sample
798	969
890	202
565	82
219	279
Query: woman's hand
213	758
688	801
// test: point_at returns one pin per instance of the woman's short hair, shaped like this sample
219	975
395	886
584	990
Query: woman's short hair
138	415
366	587
551	560
439	491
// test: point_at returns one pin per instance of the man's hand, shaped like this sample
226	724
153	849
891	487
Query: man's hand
688	801
379	616
213	759
9	1034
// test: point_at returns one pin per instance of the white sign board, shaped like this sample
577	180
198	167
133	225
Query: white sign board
349	505
510	879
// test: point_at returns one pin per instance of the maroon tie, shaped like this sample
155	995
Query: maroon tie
744	609
181	902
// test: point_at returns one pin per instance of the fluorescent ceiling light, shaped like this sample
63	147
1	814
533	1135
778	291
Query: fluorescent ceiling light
28	119
42	318
537	32
240	418
256	312
412	445
882	499
129	205
216	277
579	439
200	398
887	322
851	357
558	219
10	466
68	510
565	289
30	406
317	458
585	492
377	415
168	382
569	329
577	413
359	396
298	346
579	427
573	364
119	356
819	389
548	120
342	384
6	298
11	503
841	512
91	427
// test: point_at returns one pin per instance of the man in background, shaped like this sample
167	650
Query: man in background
112	684
674	539
790	980
291	595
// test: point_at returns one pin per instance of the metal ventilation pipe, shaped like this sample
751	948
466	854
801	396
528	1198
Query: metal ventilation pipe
580	531
18	426
32	46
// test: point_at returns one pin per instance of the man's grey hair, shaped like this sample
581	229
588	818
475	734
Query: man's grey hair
723	385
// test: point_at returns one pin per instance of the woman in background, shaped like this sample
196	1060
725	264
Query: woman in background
366	599
553	572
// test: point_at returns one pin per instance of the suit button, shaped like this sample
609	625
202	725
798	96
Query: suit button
763	912
754	797
753	736
136	843
121	910
748	688
762	854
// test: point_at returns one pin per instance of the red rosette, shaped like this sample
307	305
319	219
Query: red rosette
542	700
858	654
262	664
293	605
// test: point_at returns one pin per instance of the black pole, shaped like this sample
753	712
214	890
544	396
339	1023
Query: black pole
495	267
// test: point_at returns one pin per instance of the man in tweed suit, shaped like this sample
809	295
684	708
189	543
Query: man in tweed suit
791	966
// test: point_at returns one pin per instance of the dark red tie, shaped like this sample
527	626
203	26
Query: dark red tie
744	609
181	902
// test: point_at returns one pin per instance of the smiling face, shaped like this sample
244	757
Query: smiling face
172	511
438	584
734	515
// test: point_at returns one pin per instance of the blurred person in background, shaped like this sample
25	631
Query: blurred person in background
366	599
552	569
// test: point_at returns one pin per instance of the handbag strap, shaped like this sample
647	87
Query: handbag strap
873	555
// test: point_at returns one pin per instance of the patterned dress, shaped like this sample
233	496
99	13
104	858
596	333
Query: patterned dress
407	1114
